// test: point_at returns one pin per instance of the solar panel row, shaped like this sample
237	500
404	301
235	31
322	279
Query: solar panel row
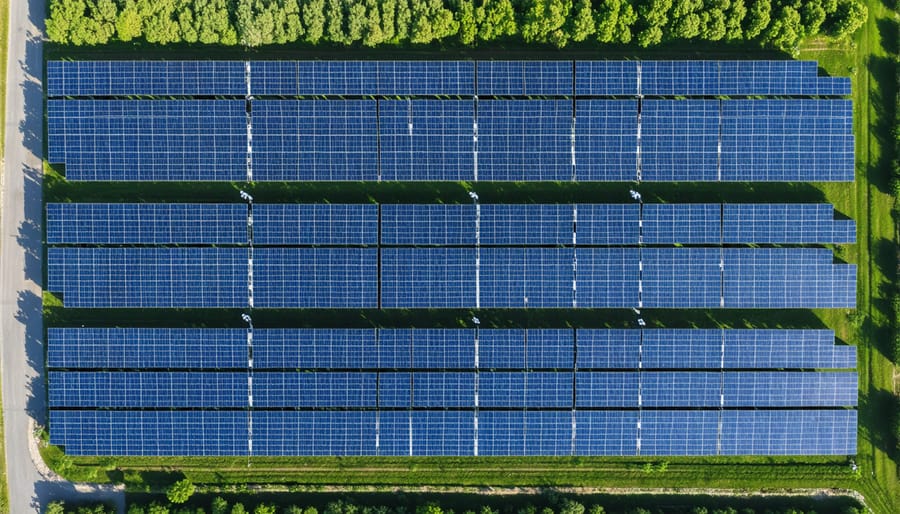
728	432
451	140
397	349
390	78
447	278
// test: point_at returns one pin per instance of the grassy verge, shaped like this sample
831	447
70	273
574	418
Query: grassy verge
4	31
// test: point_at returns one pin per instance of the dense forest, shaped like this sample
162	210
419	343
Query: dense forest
250	23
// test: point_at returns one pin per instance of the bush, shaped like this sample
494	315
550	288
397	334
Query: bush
180	491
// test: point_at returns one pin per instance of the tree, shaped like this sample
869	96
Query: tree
543	22
356	21
181	491
136	509
57	507
388	15
848	17
238	508
402	20
813	15
293	509
129	22
495	18
758	18
465	16
733	19
571	507
786	30
219	505
314	19
263	508
429	508
334	29
372	34
157	508
583	25
596	509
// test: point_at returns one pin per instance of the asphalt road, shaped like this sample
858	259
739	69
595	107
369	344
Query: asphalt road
21	326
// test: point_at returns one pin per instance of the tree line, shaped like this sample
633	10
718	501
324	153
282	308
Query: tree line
782	24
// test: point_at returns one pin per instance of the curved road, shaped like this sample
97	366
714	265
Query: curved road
21	327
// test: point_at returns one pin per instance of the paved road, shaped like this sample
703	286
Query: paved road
21	326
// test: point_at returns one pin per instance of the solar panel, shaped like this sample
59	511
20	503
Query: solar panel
146	223
529	225
315	140
679	140
525	78
315	277
678	432
426	140
162	348
527	140
147	389
682	348
336	77
313	390
315	224
607	277
786	349
148	277
608	224
427	277
309	348
668	223
333	433
549	348
598	389
526	277
150	433
608	349
394	431
789	432
606	140
787	278
145	78
274	78
792	389
679	78
441	348
548	433
443	433
681	389
681	277
398	78
606	432
501	348
501	433
428	225
443	390
785	223
140	140
787	140
395	390
606	78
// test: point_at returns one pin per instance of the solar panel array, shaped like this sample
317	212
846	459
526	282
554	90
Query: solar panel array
447	224
504	78
374	391
459	120
444	392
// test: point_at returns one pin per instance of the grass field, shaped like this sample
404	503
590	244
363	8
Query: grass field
867	60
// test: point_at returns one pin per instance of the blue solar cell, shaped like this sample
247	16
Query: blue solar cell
501	433
150	433
608	349
501	348
426	140
305	389
679	78
519	78
678	432
311	348
785	223
549	348
111	348
148	277
606	432
797	389
443	433
681	389
397	78
526	277
787	140
336	433
606	78
315	224
524	140
274	78
528	225
440	389
394	389
525	389
394	433
789	432
548	433
607	277
146	223
427	277
317	140
606	140
428	224
147	389
608	224
395	348
786	349
682	348
681	277
681	223
315	277
598	389
440	348
679	140
337	77
159	140
144	78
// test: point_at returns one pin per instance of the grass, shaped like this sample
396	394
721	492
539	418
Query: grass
4	31
866	60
